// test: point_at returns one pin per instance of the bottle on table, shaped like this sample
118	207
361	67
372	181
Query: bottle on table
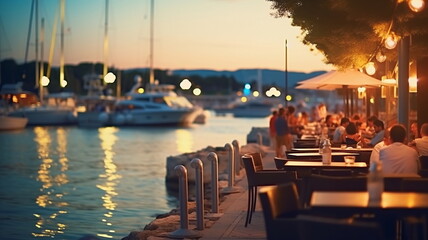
326	152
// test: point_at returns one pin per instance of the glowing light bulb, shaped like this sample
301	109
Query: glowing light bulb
370	68
416	5
380	57
391	41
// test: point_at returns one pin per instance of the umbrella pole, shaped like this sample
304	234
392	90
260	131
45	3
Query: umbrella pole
345	89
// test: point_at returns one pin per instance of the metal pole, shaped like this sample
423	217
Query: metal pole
231	181
183	198
286	75
260	139
236	156
403	81
199	179
212	156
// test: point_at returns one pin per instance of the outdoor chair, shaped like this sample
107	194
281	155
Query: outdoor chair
423	171
280	206
279	162
322	228
317	182
256	178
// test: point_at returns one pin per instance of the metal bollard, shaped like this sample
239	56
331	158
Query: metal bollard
260	139
183	198
236	156
212	156
230	187
197	164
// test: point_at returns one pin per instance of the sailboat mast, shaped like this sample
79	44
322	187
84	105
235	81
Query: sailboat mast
152	10
105	67
37	77
61	68
42	70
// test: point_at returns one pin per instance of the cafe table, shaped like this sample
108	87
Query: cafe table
337	149
317	154
393	205
292	165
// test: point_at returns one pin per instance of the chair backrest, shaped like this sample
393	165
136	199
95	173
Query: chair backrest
424	162
250	169
415	185
279	162
322	228
316	182
257	159
280	204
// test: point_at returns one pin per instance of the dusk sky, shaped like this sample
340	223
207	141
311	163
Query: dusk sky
189	34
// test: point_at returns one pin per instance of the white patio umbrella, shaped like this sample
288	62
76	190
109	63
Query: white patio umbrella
338	79
341	79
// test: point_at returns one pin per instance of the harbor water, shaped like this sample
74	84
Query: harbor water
68	182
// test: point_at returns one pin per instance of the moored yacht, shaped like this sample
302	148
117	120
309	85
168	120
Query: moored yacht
160	105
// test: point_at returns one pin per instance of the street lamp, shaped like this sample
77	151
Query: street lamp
185	84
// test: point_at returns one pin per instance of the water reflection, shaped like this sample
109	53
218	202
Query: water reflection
51	175
110	176
184	140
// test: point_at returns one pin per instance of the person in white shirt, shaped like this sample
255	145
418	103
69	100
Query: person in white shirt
340	130
398	157
374	156
421	144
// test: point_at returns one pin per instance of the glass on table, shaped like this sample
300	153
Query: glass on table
349	159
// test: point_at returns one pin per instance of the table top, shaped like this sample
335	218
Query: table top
334	149
317	154
404	201
319	164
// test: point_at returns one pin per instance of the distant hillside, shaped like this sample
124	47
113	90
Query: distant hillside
273	77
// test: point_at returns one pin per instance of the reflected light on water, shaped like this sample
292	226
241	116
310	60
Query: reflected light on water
108	139
184	140
48	225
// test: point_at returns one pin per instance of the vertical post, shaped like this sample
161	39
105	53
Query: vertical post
403	81
286	75
212	156
199	179
231	167
260	139
183	231
236	156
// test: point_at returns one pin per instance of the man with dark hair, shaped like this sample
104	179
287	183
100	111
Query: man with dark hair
379	130
282	131
398	157
340	130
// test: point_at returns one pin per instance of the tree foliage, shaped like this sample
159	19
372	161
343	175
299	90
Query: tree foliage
349	32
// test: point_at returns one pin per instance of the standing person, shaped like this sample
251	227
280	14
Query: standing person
272	130
340	130
421	144
292	124
398	157
282	131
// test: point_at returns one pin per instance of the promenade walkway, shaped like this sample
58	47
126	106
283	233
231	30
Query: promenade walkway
234	209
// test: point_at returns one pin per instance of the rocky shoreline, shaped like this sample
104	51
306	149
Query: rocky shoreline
166	223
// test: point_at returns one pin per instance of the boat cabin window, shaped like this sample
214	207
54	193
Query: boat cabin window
179	101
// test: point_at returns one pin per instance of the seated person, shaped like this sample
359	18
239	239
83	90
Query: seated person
374	156
379	132
369	131
340	130
421	144
351	136
398	157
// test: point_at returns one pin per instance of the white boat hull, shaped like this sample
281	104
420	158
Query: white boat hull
92	119
145	117
12	123
46	116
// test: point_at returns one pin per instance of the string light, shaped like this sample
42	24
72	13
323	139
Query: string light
416	5
370	68
380	57
391	41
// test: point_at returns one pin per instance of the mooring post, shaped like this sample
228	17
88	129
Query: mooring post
237	156
212	157
197	164
231	168
260	139
184	231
